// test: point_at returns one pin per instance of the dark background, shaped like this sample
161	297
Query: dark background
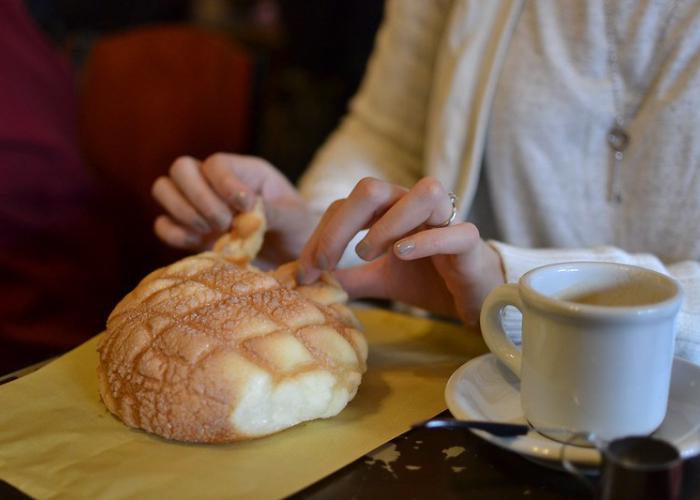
154	80
310	55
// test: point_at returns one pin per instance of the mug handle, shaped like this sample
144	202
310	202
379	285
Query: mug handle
492	328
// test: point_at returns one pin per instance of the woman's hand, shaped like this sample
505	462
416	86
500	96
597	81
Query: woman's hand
201	199
412	257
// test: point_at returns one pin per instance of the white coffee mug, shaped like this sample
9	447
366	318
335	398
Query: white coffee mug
597	346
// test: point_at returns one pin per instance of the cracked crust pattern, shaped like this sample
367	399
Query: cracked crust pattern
213	350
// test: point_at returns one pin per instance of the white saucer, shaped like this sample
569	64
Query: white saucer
485	389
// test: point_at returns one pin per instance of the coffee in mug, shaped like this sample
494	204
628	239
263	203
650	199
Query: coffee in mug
597	346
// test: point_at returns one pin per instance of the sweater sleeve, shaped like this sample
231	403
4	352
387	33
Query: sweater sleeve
382	134
517	261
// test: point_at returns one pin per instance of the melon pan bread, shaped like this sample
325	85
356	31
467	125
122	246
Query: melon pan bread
211	349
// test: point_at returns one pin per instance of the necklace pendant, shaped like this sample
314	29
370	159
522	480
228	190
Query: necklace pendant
618	139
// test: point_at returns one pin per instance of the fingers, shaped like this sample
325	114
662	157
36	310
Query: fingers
452	240
176	235
427	203
235	179
204	194
169	196
239	180
203	197
185	173
389	211
310	266
194	210
253	172
368	200
342	221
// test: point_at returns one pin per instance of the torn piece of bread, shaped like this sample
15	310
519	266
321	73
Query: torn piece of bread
211	349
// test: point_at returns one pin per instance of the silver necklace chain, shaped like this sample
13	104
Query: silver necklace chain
618	136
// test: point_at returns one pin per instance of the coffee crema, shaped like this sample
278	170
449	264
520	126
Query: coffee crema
618	295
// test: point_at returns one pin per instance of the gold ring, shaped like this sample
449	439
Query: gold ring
453	215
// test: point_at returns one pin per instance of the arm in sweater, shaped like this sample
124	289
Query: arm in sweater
382	135
517	261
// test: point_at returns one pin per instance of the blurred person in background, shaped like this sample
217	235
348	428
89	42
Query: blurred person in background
51	239
568	131
70	246
58	267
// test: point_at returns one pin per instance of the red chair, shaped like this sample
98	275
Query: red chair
148	96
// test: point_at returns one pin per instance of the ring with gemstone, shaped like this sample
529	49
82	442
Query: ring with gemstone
453	215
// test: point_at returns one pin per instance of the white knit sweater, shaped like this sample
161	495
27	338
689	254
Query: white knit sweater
426	107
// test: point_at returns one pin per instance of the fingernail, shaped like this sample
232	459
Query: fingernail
322	262
242	200
300	275
303	276
191	240
405	247
362	249
201	225
223	221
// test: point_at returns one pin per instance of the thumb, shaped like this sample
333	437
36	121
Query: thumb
364	281
239	179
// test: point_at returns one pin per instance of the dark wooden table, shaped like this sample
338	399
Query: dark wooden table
437	464
445	464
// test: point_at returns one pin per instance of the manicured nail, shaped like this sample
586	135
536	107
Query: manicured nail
192	240
405	247
362	249
304	277
322	262
242	200
223	221
201	225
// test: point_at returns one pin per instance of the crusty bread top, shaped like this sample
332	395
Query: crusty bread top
211	349
180	345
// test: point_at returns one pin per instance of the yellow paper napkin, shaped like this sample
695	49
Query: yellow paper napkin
57	440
